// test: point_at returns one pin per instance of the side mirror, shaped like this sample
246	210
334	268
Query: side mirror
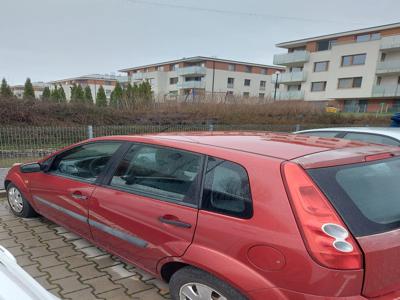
31	168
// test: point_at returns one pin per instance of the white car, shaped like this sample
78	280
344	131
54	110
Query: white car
15	283
375	135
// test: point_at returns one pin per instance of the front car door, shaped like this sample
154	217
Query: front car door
147	209
62	192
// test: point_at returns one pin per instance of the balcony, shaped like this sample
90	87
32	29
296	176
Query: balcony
293	58
390	43
290	77
386	91
388	67
191	85
143	75
193	70
289	95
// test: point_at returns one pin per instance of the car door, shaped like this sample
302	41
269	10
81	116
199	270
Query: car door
147	208
63	191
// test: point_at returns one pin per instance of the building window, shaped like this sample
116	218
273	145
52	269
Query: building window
231	82
296	69
247	82
321	66
295	87
248	69
196	78
354	60
348	83
264	71
246	94
378	80
383	56
398	80
325	45
261	95
368	37
173	80
231	67
160	68
263	84
318	86
174	67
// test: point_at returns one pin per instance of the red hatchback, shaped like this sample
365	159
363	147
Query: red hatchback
230	215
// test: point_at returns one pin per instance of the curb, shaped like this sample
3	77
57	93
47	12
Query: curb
2	193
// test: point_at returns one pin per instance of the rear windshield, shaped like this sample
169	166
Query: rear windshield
366	195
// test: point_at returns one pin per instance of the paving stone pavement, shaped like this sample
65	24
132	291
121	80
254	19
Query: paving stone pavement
69	266
3	173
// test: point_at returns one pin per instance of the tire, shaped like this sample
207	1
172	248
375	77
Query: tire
189	281
18	204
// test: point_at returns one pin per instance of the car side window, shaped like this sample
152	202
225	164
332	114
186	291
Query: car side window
163	173
326	134
85	162
371	138
227	189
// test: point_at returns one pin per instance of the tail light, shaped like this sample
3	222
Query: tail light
326	236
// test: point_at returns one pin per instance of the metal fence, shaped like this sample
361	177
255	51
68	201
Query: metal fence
24	144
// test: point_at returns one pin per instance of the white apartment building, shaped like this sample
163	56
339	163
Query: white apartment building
94	81
359	69
188	77
38	87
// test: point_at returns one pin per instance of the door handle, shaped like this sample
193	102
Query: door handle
174	222
79	196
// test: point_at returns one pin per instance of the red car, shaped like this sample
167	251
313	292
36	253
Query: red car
230	215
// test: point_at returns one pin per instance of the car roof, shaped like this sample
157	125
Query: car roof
279	145
393	132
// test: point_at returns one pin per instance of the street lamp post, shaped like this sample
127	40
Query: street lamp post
276	83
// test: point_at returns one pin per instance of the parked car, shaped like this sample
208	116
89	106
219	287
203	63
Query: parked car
15	283
375	135
230	215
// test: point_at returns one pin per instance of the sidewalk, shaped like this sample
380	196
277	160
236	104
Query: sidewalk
3	173
69	266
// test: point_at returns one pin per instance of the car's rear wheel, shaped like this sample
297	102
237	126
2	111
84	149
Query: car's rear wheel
193	284
18	204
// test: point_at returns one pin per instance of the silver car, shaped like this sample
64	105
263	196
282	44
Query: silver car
375	135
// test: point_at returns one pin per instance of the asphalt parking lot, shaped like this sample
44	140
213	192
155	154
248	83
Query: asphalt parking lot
69	266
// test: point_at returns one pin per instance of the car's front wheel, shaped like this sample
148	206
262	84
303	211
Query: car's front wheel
191	283
18	204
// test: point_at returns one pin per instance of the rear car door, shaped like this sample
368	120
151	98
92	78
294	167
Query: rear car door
62	193
147	208
366	195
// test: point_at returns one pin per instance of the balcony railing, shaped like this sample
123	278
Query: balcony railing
144	75
386	91
191	85
388	67
390	43
296	57
289	95
193	70
290	77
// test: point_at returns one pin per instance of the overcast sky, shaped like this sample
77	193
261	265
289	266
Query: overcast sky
55	39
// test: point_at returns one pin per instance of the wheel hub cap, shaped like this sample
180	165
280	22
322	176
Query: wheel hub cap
198	291
15	200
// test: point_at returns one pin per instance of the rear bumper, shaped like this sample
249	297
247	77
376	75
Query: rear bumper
282	294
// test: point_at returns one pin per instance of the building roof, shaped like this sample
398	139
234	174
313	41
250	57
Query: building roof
36	85
109	77
198	59
301	42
